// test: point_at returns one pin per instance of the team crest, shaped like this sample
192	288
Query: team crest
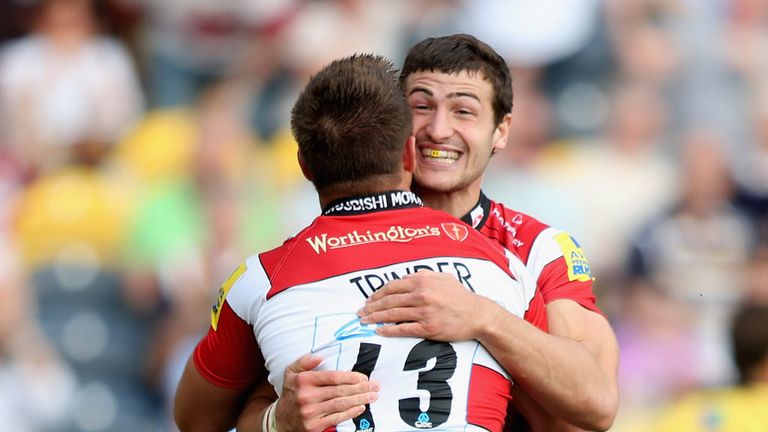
456	231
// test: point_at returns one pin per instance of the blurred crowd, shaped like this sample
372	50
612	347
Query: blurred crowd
145	152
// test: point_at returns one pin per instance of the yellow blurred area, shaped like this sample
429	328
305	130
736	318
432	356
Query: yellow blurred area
167	144
74	214
281	159
739	409
161	146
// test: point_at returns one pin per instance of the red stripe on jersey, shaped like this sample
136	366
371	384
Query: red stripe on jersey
326	262
489	395
229	357
555	285
537	312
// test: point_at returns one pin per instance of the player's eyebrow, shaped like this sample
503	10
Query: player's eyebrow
417	89
453	95
463	94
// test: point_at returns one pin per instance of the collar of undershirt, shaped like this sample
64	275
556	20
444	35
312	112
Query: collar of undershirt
360	204
479	214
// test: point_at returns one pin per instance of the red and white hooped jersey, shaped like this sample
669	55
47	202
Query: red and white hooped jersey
552	256
302	298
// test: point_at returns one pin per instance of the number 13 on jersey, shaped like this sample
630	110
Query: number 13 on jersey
421	388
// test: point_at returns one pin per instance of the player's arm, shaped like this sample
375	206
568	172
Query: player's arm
226	363
593	332
557	372
203	406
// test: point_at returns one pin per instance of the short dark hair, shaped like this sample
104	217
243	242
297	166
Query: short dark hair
463	52
749	335
352	120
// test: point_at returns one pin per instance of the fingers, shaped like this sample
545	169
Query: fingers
412	282
304	363
422	273
393	315
323	407
390	302
340	404
330	378
397	286
334	419
410	329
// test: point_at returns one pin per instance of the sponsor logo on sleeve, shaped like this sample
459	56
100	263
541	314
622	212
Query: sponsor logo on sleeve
223	291
455	231
575	260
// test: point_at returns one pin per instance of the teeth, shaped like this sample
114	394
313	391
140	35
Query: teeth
441	156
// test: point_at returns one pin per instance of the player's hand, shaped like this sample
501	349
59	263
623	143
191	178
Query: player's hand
316	400
429	305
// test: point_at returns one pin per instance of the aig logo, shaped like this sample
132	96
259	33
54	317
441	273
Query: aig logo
456	231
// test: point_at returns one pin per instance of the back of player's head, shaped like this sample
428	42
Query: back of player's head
749	336
352	121
463	53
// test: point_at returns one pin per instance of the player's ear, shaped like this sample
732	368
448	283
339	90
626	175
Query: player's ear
501	134
409	155
303	164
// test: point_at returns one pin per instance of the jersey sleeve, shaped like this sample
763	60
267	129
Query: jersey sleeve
562	270
228	355
535	310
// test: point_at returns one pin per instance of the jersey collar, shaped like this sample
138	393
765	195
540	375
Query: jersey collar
479	214
359	204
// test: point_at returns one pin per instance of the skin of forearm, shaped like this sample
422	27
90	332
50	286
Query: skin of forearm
558	373
251	417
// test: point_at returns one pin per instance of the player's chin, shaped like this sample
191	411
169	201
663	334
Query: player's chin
439	181
438	186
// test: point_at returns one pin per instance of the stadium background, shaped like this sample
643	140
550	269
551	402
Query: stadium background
145	151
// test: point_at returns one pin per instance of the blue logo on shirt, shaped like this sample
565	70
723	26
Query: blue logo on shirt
354	329
422	422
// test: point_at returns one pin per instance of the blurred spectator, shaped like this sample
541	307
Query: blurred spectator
745	38
323	30
520	173
642	34
697	254
70	227
531	34
627	175
36	387
757	276
740	408
751	167
208	195
611	184
63	86
190	44
16	19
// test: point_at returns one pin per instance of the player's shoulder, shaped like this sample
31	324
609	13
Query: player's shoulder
517	218
531	236
272	258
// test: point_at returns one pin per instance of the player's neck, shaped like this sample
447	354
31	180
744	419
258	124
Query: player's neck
456	203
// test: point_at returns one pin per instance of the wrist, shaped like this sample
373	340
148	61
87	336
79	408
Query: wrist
269	421
489	319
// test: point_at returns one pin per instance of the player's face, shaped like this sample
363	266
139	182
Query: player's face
453	122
